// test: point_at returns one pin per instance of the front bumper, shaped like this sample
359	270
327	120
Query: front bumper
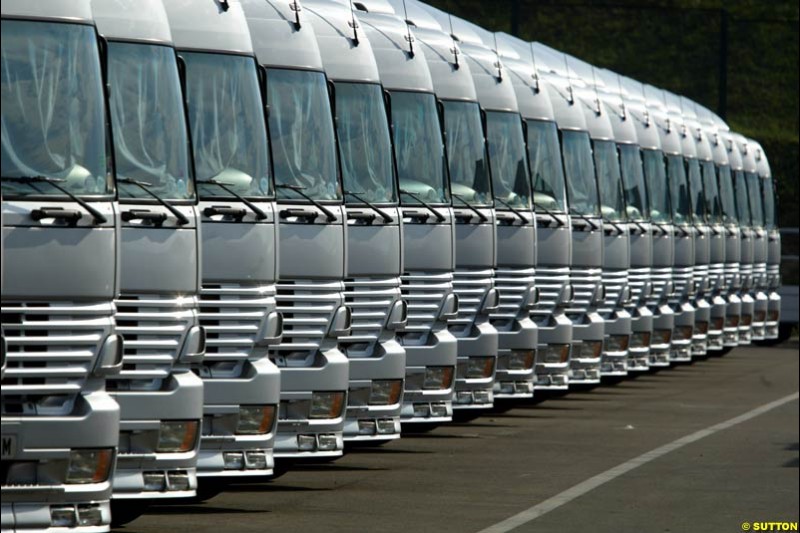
586	370
618	330
641	337
516	382
434	406
551	370
476	392
681	346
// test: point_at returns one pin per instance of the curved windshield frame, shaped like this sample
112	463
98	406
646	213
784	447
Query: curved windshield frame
636	202
226	117
302	135
740	194
467	159
727	195
609	181
547	170
679	190
365	146
582	193
768	190
755	198
53	110
711	193
150	139
655	173
419	148
697	198
509	160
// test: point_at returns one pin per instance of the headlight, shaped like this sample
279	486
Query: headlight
701	327
760	316
554	353
683	332
255	419
385	391
326	405
732	321
590	349
521	359
480	367
438	377
773	315
717	323
617	343
662	336
640	339
176	436
746	320
89	465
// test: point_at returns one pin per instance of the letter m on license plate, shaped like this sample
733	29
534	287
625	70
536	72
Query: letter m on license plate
9	446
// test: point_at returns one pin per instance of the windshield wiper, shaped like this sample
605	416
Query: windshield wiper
384	215
573	211
299	190
636	222
470	206
426	205
513	210
549	213
98	217
661	226
182	219
683	231
616	226
260	215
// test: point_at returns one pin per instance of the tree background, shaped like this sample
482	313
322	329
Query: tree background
737	57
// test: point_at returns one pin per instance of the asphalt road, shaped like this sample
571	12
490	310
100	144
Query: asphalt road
466	477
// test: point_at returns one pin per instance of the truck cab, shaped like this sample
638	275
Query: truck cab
230	154
374	226
157	310
312	243
428	219
553	239
61	246
585	218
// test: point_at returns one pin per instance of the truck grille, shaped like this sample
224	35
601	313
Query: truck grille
760	275
614	282
746	273
716	277
659	276
731	273
585	282
682	279
308	308
425	293
774	276
154	328
637	278
370	300
513	285
700	275
232	314
51	350
471	287
551	283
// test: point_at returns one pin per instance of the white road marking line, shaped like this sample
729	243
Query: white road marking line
550	504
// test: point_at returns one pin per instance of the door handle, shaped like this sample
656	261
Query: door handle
144	215
69	215
231	212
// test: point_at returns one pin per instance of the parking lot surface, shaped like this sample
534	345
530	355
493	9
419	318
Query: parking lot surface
470	476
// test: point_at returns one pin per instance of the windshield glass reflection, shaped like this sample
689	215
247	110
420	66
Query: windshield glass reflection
579	169
509	161
466	153
657	191
609	180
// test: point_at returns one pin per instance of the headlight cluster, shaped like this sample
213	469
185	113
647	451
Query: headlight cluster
746	320
438	378
701	327
554	353
255	419
177	436
89	465
590	349
717	323
617	343
640	339
325	405
683	333
385	391
662	336
732	321
521	359
480	367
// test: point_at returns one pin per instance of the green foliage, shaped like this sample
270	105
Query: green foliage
677	45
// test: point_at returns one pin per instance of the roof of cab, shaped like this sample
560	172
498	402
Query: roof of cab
734	155
748	152
278	41
342	57
68	10
761	159
204	25
140	20
598	122
533	98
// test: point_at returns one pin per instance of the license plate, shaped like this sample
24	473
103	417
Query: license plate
9	446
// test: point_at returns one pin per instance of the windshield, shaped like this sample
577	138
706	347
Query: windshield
510	176
769	202
227	122
150	143
301	132
713	201
546	168
633	181
419	148
656	176
727	195
755	198
609	180
678	190
365	148
740	193
698	201
579	169
53	121
466	153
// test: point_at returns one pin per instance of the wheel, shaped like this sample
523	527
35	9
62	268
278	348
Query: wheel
126	511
